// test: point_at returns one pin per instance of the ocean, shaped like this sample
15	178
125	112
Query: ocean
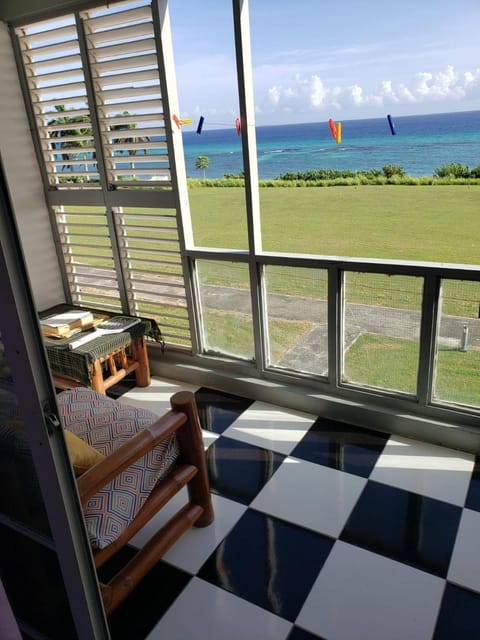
421	145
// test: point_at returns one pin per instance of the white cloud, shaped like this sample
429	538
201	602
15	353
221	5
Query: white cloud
274	95
405	95
357	95
422	82
310	93
388	93
318	92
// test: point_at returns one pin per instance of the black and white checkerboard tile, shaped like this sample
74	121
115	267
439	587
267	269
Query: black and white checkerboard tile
322	531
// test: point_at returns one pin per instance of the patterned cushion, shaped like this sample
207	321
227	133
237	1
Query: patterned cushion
105	424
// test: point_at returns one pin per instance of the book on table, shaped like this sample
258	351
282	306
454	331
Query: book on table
66	324
116	324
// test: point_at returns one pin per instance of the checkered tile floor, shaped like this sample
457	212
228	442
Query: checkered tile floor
322	531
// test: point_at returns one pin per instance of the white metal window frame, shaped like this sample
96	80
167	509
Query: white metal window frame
422	404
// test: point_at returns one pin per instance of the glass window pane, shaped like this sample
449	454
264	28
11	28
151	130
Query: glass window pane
218	217
30	571
206	75
226	308
316	65
382	316
34	585
20	498
297	319
458	343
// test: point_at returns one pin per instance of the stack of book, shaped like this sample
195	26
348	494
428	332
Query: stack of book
66	324
116	324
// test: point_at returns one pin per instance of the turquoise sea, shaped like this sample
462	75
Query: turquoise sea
421	144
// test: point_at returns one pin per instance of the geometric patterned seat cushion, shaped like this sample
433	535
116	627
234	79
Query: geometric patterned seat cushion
105	424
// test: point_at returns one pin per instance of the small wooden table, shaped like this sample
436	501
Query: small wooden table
103	361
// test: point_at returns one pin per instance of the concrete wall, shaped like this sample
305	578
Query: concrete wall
25	184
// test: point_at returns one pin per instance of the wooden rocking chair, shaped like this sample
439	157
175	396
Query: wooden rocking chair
180	429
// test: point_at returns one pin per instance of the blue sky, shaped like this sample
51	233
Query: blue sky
314	59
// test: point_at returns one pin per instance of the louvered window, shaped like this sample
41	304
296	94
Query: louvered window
56	80
97	107
88	255
121	66
149	252
123	60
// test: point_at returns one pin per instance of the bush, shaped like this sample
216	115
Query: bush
269	183
425	180
454	170
390	170
454	173
475	173
229	176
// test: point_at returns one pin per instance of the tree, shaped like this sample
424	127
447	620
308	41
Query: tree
390	170
66	119
202	163
454	170
131	139
77	130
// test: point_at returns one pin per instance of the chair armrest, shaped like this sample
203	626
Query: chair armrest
101	473
192	452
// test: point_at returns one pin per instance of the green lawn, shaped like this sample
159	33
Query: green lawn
391	363
428	223
229	332
433	223
382	361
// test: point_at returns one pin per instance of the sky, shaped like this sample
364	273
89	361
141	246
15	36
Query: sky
316	59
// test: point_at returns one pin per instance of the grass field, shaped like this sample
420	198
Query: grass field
437	223
391	363
426	223
432	223
232	333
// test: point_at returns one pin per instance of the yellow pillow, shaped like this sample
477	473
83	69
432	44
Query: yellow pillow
82	455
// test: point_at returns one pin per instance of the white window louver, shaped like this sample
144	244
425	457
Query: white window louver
150	257
88	256
53	69
123	62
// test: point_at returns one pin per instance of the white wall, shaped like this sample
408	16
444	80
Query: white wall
25	184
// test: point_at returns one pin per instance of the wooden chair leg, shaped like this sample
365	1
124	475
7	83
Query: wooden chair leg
98	383
139	352
191	446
